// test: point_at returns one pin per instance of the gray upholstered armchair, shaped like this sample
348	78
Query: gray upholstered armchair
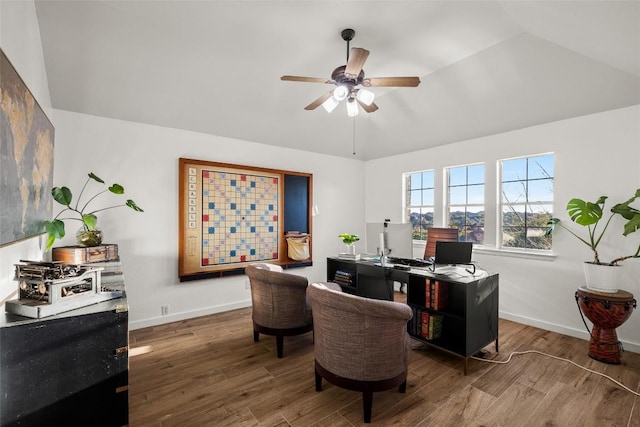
279	303
360	344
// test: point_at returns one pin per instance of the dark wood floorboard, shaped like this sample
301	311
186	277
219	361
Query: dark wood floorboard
208	371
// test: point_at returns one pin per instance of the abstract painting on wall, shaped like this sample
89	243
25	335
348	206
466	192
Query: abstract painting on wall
26	159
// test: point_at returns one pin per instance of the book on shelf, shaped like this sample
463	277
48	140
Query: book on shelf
436	294
430	325
343	277
353	257
424	329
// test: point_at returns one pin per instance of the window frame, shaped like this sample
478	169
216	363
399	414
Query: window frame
447	198
408	206
527	203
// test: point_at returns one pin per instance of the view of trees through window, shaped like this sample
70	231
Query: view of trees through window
465	196
527	201
419	202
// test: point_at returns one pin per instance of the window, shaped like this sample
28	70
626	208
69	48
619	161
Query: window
527	201
419	202
465	201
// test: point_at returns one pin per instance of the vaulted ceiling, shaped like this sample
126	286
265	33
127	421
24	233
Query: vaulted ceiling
214	66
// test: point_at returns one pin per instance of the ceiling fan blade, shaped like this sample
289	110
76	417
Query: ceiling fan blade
391	81
368	108
356	61
315	104
306	79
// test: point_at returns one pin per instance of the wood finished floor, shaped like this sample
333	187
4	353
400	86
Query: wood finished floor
208	372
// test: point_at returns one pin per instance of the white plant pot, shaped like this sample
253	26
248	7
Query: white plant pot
602	278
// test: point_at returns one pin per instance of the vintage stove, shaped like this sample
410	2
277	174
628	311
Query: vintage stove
49	288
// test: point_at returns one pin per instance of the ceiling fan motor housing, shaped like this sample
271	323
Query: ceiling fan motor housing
340	78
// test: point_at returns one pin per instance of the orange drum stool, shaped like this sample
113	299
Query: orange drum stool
607	311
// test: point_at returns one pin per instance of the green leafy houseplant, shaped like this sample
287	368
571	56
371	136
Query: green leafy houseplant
589	214
349	239
55	228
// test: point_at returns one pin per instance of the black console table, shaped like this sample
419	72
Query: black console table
70	369
457	313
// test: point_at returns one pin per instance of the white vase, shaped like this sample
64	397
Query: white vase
602	278
351	249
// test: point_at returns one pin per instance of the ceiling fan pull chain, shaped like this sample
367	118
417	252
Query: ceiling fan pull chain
354	136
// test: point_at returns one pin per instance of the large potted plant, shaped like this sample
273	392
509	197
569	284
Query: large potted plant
88	234
600	275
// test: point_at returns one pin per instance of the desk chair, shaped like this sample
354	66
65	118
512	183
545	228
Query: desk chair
438	234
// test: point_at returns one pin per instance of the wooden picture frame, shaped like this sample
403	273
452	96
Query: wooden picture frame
232	215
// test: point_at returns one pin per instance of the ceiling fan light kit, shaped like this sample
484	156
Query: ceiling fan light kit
348	79
330	104
352	108
365	96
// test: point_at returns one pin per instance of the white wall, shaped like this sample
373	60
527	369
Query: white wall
144	159
594	155
20	41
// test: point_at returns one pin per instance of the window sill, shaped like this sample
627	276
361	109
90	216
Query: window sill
514	253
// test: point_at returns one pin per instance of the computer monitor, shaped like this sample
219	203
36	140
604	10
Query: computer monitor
452	253
398	239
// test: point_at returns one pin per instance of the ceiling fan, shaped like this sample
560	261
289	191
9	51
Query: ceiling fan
350	82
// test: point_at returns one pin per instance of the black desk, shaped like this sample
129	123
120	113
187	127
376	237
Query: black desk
365	278
468	315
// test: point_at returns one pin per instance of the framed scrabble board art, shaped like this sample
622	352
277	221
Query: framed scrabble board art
233	215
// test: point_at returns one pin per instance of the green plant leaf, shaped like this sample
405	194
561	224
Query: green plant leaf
117	189
632	226
55	228
631	214
90	220
95	177
62	195
133	206
585	213
348	238
50	242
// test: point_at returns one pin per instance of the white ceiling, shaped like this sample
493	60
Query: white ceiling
214	66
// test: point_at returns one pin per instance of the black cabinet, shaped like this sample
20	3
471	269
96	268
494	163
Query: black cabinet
462	311
362	278
66	370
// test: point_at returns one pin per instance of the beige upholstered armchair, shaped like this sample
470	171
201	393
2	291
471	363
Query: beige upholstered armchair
279	303
360	344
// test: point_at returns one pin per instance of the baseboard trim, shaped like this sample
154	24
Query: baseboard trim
576	333
176	317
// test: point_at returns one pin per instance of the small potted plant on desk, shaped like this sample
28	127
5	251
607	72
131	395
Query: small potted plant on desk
88	234
602	276
349	240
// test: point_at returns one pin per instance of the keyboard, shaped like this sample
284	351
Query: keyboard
411	262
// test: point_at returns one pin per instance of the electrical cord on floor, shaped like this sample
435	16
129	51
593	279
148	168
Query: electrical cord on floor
502	362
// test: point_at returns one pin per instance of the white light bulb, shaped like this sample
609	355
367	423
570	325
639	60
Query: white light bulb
340	93
352	108
365	96
330	104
